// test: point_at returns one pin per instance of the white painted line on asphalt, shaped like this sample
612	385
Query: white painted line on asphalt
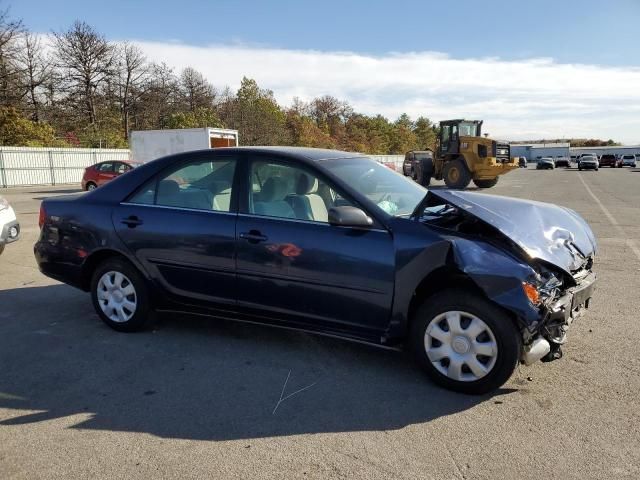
630	243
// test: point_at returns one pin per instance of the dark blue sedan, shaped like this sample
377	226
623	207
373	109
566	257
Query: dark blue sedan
333	243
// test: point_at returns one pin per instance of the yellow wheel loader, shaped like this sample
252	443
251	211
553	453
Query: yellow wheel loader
462	156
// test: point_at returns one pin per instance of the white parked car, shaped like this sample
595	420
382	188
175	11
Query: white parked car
9	226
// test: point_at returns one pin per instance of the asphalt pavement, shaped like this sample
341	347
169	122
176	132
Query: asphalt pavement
202	398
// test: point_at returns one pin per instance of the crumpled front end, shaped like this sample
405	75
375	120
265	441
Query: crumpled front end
544	301
533	259
561	301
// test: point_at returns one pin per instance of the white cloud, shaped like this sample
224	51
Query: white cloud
532	98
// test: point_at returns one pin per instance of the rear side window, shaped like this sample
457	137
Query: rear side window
105	167
198	185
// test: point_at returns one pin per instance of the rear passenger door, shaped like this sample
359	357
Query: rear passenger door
181	227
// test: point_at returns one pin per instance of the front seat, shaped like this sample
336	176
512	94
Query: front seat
272	199
307	204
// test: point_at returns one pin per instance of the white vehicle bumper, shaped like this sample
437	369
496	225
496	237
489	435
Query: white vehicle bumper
9	226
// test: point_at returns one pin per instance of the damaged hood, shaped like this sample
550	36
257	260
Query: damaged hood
544	231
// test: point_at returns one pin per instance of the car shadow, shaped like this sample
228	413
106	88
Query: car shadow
197	378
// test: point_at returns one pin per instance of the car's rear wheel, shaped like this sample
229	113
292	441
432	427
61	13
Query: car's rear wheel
120	296
91	186
1	248
464	342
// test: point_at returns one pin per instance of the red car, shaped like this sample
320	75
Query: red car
102	172
608	160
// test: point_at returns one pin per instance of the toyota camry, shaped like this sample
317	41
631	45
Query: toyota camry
333	243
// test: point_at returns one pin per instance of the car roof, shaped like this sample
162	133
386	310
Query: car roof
313	154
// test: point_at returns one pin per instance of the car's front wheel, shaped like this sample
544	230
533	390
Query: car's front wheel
464	342
120	296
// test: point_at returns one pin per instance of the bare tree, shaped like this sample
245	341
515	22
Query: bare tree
86	59
10	30
36	68
195	89
132	71
159	97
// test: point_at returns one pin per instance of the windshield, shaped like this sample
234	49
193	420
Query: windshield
392	192
468	129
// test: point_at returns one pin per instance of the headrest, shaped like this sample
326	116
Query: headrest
306	184
273	190
168	188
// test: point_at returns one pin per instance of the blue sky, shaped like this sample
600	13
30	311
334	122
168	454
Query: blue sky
555	68
587	31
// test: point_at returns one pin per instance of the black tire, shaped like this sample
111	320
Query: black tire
1	248
486	183
422	172
143	315
456	174
90	186
507	339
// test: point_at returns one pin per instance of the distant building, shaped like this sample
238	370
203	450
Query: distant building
535	151
619	150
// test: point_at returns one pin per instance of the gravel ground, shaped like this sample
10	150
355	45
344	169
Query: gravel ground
197	398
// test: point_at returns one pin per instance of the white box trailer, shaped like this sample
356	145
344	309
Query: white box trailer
147	145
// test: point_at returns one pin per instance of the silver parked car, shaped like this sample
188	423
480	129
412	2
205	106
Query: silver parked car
588	162
546	163
628	160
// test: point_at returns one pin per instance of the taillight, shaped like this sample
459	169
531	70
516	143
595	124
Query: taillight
42	217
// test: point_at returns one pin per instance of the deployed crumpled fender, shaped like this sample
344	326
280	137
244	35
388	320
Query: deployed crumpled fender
495	272
498	275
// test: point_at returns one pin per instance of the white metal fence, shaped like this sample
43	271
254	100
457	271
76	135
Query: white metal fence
50	166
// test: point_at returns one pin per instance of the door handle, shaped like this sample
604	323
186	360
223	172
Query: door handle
132	221
253	236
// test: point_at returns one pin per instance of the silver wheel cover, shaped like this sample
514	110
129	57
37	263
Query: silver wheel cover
117	297
460	346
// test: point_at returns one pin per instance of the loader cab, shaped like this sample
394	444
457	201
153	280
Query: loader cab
452	130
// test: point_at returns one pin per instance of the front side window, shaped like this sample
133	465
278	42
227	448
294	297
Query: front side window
198	185
446	133
287	191
122	168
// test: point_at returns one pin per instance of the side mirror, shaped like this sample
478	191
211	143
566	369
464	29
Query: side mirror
349	217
